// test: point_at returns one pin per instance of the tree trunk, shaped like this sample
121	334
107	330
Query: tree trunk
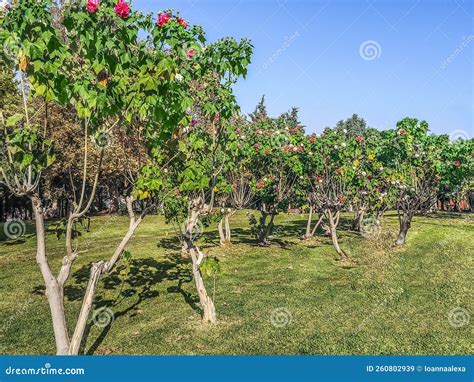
307	235
54	291
208	308
265	229
227	228
335	241
405	224
222	237
97	270
357	225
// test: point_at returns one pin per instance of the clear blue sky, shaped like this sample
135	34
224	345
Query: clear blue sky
308	54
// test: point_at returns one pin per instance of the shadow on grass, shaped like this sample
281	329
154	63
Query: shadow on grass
136	281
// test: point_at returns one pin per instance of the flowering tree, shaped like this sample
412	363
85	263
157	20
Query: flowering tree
415	160
457	171
199	153
94	62
330	171
276	146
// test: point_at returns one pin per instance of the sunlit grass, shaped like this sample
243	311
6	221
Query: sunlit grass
390	301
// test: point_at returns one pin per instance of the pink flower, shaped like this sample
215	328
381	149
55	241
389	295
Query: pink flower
122	9
256	146
182	22
163	19
312	139
359	138
457	164
190	53
267	152
92	5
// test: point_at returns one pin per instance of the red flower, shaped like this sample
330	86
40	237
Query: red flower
369	177
267	152
319	179
182	22
256	146
339	171
341	199
163	19
122	9
301	148
457	164
190	53
312	139
217	117
92	5
359	138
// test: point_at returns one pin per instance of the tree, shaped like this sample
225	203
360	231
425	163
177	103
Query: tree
415	161
116	66
199	153
275	146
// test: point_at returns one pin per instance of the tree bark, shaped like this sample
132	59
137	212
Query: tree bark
405	224
307	234
335	241
357	225
227	228
208	308
97	270
222	237
54	291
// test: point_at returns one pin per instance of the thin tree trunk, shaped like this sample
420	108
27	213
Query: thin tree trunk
208	308
405	224
321	216
54	291
335	241
307	235
97	270
227	228
357	225
221	232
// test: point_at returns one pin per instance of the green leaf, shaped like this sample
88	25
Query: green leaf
14	119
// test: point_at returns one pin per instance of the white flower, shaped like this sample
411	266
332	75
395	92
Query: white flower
222	210
335	146
301	177
417	155
295	148
178	77
165	171
229	210
343	144
243	137
318	135
381	168
364	173
310	153
344	131
264	179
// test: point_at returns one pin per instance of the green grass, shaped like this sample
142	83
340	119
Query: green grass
391	301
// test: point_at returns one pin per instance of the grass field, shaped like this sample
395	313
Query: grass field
391	301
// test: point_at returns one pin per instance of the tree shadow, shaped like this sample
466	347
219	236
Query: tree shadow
136	281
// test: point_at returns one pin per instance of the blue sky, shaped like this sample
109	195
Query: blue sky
418	60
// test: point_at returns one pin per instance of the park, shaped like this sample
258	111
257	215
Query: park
144	213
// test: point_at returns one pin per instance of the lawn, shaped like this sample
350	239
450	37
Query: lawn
289	298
